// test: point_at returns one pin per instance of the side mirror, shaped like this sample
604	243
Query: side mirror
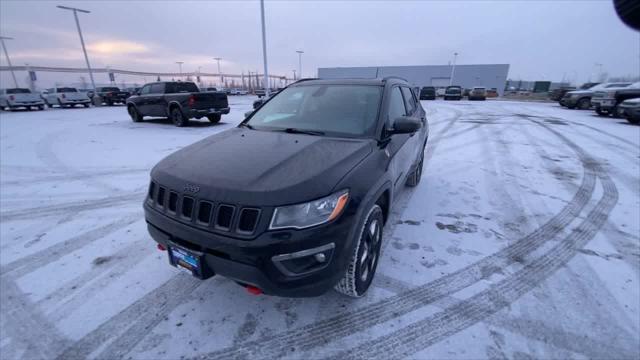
247	114
405	125
258	103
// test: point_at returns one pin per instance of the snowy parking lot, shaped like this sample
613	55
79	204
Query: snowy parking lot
522	241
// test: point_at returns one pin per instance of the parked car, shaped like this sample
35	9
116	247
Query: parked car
180	101
606	101
492	93
66	97
453	93
261	100
478	93
440	92
630	109
111	95
558	94
132	91
300	205
15	98
428	93
89	92
581	99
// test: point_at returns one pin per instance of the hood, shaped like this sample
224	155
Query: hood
580	92
261	168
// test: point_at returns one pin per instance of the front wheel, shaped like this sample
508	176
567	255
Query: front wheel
40	107
364	259
600	112
584	104
135	115
214	118
178	118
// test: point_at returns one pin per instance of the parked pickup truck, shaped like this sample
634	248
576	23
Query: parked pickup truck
581	99
606	101
18	97
179	101
112	95
630	109
66	96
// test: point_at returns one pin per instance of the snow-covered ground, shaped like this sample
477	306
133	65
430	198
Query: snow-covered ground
522	241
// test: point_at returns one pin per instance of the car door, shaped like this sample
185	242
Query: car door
399	148
157	105
142	101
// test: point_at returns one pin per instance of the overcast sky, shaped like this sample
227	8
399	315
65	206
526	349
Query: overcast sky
541	40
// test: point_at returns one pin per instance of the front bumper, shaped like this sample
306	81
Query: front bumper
261	262
604	104
25	103
73	102
198	113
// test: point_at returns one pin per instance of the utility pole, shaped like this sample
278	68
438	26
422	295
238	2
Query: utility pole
300	52
4	47
84	50
453	68
294	74
264	51
219	73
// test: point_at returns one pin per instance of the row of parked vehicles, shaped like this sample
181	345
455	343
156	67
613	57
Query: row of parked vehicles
456	92
617	99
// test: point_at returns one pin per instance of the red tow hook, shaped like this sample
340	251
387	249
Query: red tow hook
161	247
253	290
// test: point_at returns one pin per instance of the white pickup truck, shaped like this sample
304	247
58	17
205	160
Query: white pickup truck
19	98
66	96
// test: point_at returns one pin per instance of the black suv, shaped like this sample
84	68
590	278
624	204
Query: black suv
292	202
428	93
453	93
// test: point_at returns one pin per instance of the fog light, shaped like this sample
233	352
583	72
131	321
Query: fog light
320	257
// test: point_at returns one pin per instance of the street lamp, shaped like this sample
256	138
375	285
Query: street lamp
2	39
84	50
264	51
219	73
453	68
180	66
300	52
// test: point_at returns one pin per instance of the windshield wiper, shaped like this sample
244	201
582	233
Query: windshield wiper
247	125
302	131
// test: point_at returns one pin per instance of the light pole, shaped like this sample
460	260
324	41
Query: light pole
2	39
180	66
84	50
294	74
300	52
219	73
453	68
264	51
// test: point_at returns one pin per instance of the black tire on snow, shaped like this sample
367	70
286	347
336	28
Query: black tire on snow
214	118
178	118
369	241
135	115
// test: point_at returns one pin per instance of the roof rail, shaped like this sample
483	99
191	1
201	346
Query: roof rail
305	79
394	77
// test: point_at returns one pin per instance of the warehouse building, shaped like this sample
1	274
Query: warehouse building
467	76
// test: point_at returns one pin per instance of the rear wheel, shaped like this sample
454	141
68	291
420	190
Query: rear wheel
600	112
178	117
214	118
583	104
615	112
40	107
364	259
135	115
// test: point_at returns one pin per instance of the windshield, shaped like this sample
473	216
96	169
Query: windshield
453	89
18	91
67	90
110	89
347	110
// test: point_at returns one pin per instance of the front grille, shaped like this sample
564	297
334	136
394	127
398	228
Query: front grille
205	213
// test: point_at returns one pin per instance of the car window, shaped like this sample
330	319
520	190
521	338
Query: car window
157	88
145	90
18	91
339	110
396	107
410	102
67	90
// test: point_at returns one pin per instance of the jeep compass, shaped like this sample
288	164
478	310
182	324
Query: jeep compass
292	202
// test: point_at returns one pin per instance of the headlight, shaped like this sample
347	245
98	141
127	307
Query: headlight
310	214
611	94
575	95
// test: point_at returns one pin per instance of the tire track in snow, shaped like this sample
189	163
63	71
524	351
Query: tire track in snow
41	258
74	206
121	333
430	330
341	325
35	179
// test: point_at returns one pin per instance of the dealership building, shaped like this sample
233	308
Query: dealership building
467	76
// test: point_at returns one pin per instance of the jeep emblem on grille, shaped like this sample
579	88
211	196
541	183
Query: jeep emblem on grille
191	188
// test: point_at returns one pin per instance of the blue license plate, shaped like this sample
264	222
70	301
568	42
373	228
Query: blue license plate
185	260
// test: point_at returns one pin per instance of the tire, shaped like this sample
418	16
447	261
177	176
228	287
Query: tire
40	107
135	115
364	260
109	103
633	120
600	112
214	118
178	118
414	178
614	112
60	103
583	104
86	105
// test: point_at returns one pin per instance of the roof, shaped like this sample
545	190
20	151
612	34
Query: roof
372	82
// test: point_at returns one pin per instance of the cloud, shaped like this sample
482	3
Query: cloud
116	47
